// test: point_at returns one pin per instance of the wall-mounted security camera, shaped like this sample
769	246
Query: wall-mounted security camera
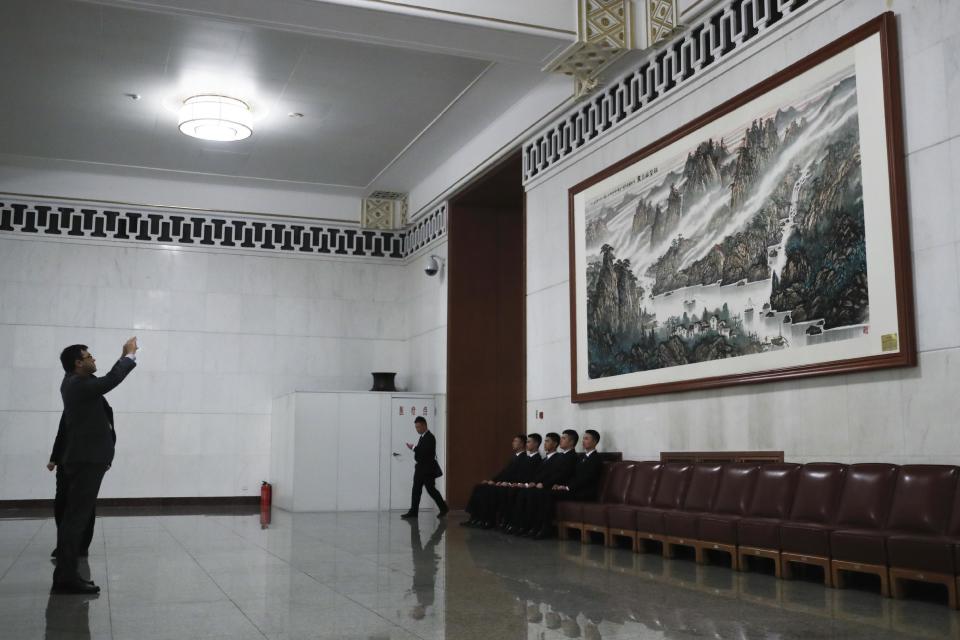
434	264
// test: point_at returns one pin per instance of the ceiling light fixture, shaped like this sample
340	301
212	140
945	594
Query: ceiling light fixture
213	117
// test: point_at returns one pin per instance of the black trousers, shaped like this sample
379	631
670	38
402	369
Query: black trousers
82	484
430	484
60	505
482	503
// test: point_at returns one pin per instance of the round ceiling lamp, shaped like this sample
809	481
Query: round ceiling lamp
212	117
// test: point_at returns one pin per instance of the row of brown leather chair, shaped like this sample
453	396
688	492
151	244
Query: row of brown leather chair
896	522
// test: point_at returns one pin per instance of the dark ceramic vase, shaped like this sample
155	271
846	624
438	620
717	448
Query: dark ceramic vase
383	381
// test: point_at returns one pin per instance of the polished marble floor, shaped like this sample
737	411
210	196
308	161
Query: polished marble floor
374	576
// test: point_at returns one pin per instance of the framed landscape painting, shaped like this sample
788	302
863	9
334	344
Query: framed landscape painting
765	240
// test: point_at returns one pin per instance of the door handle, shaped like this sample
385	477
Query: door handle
396	455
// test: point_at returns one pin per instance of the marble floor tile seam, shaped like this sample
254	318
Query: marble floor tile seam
333	586
236	603
21	552
225	594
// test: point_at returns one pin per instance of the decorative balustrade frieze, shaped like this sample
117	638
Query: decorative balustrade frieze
716	36
88	221
425	231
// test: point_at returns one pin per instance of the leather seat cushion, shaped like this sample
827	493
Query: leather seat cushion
715	527
762	533
859	545
921	553
622	517
595	513
650	520
570	511
682	524
807	538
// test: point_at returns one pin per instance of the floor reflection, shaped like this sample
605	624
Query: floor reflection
426	560
68	616
594	592
365	575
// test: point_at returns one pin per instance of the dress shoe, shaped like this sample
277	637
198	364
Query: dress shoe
75	586
486	525
409	516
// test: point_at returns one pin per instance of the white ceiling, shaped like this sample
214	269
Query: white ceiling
67	65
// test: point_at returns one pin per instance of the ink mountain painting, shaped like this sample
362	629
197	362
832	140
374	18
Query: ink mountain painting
746	241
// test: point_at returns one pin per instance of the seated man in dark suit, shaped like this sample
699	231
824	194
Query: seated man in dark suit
584	485
504	493
557	467
480	500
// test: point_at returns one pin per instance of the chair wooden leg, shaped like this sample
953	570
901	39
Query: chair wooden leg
698	555
786	570
667	548
839	567
899	576
837	577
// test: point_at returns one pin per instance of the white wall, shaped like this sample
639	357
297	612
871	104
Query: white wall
899	416
427	322
222	334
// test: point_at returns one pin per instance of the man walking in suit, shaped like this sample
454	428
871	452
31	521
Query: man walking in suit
87	454
426	471
481	497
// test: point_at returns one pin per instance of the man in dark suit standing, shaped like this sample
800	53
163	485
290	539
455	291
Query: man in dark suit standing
480	502
584	485
87	453
426	471
60	495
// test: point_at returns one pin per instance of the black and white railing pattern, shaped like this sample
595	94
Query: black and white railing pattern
425	231
304	237
716	36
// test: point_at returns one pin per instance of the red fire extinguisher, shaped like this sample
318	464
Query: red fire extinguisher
266	494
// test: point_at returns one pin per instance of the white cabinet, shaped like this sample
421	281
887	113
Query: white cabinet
346	451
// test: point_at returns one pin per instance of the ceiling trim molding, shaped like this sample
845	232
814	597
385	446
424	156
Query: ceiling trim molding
430	124
417	9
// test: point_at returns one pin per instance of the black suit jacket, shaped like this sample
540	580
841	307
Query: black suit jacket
88	435
60	442
585	483
556	470
425	456
511	471
528	468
